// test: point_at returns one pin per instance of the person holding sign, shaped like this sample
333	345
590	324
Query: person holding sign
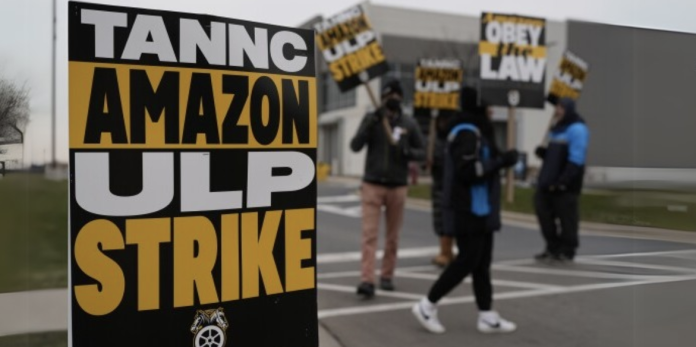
560	182
471	204
385	181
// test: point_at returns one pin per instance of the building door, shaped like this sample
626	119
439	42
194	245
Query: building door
329	147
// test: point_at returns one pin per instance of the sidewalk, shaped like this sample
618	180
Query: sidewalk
47	310
587	228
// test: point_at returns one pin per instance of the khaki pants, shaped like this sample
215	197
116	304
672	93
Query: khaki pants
373	198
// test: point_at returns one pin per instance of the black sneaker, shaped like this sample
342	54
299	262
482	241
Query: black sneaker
543	256
366	290
386	284
562	259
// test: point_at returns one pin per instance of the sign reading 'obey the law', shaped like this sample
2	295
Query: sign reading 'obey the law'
350	47
193	191
513	60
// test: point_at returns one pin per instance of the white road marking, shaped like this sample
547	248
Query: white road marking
353	212
346	257
503	283
643	254
349	311
409	272
350	289
568	271
337	199
636	265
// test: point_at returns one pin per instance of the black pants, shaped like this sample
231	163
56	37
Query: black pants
561	207
475	245
436	198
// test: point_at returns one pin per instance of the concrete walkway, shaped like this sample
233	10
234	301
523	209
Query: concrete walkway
47	310
34	311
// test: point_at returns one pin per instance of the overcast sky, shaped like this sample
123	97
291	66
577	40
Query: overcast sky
25	36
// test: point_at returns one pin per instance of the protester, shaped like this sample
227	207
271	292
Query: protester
392	141
436	170
560	183
471	207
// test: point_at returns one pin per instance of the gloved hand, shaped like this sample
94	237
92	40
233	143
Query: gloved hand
540	152
557	188
509	158
379	114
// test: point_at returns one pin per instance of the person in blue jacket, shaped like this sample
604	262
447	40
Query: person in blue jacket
560	182
471	212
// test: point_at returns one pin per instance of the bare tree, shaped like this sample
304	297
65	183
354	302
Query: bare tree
14	111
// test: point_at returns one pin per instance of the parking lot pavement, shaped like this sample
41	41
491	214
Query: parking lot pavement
620	291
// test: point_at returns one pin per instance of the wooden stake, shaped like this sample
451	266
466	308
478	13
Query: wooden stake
385	121
431	139
511	140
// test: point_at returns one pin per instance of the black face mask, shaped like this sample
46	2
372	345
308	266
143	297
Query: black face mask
393	105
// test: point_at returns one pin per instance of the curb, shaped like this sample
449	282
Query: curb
586	228
326	338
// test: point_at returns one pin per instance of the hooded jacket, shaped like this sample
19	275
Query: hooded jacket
563	165
472	165
386	163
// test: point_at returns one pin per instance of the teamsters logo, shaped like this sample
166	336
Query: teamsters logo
209	328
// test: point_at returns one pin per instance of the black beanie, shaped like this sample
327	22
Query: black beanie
468	99
393	86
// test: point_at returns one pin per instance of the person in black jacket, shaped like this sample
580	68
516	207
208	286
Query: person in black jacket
471	203
437	168
560	182
392	140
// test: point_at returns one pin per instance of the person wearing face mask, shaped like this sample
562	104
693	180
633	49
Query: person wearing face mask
560	182
471	212
392	140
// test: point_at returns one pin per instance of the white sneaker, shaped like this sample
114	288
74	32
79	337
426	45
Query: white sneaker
427	316
490	322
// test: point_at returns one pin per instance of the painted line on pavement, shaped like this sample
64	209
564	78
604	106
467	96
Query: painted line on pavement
351	289
350	311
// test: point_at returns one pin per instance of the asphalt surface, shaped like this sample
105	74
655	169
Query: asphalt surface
628	291
619	292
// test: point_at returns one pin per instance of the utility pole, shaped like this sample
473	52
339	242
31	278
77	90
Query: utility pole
53	90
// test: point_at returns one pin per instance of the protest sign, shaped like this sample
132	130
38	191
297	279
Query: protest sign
569	78
513	60
350	47
192	191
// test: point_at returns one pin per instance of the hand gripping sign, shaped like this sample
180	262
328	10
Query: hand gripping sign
193	191
513	58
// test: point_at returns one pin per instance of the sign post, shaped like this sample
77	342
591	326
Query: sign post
512	49
193	184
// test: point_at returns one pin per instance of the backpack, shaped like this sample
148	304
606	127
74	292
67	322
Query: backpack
480	203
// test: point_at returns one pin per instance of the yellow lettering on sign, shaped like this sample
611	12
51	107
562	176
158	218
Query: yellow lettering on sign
92	240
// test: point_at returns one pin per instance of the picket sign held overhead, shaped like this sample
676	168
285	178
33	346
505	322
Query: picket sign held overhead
354	56
513	57
437	86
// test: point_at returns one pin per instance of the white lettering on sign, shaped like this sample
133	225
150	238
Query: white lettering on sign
516	68
347	47
93	193
148	35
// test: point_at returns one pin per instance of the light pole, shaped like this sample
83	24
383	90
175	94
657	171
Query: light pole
53	91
